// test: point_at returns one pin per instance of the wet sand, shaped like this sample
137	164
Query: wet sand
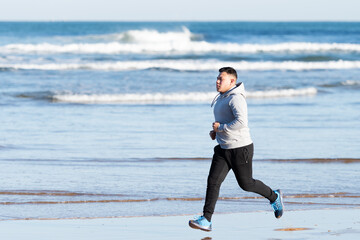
339	223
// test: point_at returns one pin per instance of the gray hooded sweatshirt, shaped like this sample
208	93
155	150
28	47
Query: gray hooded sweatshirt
230	111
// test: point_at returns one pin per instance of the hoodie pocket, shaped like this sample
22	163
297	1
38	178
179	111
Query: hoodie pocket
244	154
241	155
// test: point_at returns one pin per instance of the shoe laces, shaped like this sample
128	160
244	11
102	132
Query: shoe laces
198	218
202	220
276	205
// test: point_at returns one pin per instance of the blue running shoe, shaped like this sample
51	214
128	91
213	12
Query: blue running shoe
200	223
278	204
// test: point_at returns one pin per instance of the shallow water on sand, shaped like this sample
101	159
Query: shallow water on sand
139	187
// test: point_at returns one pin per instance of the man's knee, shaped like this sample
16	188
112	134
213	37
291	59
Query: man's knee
247	185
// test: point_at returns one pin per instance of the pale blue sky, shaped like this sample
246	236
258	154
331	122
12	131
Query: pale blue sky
164	10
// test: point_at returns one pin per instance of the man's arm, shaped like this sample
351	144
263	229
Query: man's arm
238	107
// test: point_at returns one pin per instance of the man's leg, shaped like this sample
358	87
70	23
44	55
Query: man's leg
218	171
241	162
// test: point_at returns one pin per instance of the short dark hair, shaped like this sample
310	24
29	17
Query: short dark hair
228	70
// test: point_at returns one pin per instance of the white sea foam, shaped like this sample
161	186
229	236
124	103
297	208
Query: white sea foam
149	98
190	65
350	83
148	43
282	93
135	98
145	36
153	36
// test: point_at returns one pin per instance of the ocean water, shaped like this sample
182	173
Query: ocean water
104	119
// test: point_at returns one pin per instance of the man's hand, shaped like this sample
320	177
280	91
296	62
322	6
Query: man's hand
212	134
215	126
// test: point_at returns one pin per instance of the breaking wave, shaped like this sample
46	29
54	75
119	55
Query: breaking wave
154	36
146	36
135	98
172	97
188	65
351	83
347	83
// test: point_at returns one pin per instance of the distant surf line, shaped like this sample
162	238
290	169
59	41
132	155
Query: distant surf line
185	65
176	46
133	98
157	97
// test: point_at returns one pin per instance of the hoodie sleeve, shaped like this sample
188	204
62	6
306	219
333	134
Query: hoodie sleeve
238	107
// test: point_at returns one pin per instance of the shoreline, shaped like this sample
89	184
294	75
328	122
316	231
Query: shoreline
297	224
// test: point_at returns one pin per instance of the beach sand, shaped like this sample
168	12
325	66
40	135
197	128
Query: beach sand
300	224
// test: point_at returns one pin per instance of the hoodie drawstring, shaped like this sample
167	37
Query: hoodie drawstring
215	99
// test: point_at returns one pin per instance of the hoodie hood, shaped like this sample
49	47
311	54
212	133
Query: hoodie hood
238	89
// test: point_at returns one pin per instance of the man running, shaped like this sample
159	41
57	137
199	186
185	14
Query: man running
235	150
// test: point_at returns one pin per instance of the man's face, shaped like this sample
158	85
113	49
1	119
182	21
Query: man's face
224	82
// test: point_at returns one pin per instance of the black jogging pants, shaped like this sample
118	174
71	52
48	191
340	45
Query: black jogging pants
240	161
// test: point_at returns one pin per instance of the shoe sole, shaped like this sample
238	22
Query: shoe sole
195	226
